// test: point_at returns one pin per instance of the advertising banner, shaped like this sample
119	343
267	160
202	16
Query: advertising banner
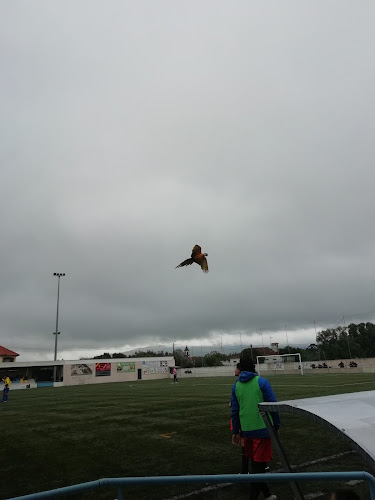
151	366
81	369
126	367
102	369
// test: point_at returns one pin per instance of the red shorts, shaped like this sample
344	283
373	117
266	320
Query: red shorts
258	449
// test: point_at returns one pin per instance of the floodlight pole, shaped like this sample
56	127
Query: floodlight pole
287	340
347	337
261	334
316	340
56	332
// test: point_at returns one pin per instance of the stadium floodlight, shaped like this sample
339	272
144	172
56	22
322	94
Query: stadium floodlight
277	362
56	332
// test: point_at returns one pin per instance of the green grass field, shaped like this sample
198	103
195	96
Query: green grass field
58	437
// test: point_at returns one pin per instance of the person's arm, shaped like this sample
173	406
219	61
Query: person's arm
235	412
269	397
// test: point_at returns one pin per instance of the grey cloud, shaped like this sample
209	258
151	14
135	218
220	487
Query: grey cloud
133	131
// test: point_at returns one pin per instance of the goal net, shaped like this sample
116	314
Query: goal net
280	363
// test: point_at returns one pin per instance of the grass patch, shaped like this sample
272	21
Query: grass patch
57	437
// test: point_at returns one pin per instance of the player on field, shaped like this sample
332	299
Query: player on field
249	429
7	383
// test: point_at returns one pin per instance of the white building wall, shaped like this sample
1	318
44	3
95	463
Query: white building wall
94	371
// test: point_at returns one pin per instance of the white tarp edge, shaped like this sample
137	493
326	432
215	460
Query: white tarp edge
353	414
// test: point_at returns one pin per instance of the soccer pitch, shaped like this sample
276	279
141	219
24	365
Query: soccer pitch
58	437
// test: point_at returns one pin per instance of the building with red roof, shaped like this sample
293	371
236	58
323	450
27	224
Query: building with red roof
6	355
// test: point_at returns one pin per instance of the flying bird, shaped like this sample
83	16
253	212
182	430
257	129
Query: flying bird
198	257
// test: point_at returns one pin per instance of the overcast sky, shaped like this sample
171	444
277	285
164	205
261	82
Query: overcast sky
133	130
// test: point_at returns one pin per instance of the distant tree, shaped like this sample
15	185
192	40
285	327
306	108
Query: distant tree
144	354
311	353
197	361
288	349
181	359
355	341
214	358
106	355
118	355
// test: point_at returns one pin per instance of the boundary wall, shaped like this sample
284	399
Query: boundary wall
100	371
366	365
88	371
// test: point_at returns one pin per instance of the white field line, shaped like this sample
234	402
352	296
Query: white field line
288	385
322	386
207	489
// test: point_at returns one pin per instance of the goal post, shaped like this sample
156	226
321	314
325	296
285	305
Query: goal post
276	362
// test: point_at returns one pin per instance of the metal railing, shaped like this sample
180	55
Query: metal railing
123	482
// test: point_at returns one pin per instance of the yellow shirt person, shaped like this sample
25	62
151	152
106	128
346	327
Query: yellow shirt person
7	383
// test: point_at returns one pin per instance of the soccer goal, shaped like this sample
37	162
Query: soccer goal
280	363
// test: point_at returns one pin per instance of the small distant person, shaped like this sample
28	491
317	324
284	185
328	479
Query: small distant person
174	375
7	383
249	428
344	495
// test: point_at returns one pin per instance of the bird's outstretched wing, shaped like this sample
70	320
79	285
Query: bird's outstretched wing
202	261
187	262
204	265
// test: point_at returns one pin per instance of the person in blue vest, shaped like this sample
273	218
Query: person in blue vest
249	429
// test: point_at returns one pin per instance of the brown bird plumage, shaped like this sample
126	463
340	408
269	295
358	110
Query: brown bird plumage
198	257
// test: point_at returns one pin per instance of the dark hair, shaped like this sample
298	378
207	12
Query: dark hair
346	495
238	366
247	365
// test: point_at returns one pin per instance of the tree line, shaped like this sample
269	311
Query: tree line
137	354
353	341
